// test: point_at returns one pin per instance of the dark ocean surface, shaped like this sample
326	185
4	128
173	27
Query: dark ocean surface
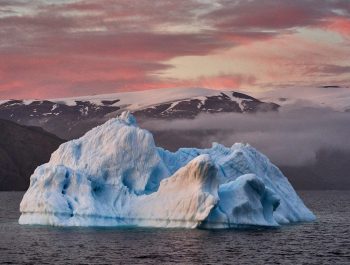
326	241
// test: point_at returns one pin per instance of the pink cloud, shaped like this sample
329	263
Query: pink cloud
341	25
86	47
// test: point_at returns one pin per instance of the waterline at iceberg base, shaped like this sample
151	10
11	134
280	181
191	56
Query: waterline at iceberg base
115	176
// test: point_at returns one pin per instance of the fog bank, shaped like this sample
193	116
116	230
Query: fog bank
290	137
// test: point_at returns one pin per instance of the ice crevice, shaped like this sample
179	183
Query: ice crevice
115	175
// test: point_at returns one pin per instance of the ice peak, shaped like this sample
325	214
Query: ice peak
128	118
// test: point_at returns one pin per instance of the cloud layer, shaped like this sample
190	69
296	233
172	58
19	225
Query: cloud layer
292	136
62	48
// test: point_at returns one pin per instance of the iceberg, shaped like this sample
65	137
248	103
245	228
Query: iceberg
115	175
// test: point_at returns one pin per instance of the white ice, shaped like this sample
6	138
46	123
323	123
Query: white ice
115	176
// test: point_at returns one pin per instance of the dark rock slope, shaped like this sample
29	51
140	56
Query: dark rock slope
22	149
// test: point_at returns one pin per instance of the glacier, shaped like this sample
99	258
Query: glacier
115	175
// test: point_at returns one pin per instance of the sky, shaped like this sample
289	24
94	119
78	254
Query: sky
70	47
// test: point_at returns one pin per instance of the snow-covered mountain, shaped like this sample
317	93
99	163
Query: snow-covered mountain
70	117
328	96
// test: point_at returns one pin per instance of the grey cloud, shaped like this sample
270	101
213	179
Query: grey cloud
290	137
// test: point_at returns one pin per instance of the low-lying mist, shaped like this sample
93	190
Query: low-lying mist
292	136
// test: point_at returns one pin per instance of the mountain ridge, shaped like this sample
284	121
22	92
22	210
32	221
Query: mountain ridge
71	117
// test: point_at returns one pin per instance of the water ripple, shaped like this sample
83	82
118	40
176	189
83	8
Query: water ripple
326	241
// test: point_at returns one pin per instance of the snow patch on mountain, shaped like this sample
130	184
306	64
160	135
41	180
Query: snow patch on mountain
334	97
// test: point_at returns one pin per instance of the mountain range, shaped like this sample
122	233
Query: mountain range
29	128
69	118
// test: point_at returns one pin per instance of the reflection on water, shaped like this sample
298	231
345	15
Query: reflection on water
326	241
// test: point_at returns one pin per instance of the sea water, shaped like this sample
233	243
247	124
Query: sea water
325	241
